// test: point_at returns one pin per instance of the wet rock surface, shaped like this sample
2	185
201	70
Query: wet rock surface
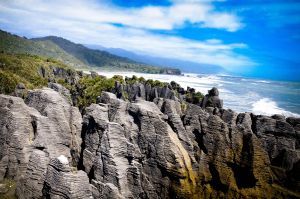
144	149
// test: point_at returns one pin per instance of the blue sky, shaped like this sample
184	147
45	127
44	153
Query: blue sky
246	37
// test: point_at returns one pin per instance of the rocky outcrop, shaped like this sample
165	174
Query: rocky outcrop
60	89
32	134
212	99
144	149
158	151
280	138
62	182
142	90
148	90
129	149
20	90
170	71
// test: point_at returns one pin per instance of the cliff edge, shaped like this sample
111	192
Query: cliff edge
143	149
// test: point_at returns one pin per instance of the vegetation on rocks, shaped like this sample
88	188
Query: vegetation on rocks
34	71
91	88
191	153
25	69
194	98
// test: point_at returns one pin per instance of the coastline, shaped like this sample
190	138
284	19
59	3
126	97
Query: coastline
249	101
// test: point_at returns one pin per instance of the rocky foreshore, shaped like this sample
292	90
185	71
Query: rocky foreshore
147	144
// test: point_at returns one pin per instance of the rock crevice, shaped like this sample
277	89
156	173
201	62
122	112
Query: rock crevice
143	149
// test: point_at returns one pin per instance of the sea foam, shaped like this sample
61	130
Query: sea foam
266	106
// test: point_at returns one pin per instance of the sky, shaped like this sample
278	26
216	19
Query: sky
255	38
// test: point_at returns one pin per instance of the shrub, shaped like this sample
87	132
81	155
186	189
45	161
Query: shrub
25	68
197	97
183	106
118	78
142	80
131	80
8	82
91	88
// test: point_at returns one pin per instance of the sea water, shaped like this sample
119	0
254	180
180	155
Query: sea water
238	93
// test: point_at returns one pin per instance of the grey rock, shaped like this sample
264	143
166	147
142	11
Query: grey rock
31	185
212	99
94	74
133	143
63	122
62	182
16	136
280	140
60	89
142	149
21	86
20	90
3	189
33	134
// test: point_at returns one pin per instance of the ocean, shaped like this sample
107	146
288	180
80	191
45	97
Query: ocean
238	93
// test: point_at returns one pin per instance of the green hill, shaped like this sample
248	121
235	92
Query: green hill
88	56
18	45
75	55
98	58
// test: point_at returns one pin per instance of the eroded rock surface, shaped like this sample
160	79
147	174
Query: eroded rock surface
156	150
32	134
212	99
62	182
144	91
144	149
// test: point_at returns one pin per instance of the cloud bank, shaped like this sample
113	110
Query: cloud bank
134	29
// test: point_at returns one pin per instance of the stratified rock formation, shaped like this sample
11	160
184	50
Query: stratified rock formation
144	91
145	149
156	151
33	134
212	99
62	182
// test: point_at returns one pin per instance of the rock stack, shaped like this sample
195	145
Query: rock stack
144	149
212	99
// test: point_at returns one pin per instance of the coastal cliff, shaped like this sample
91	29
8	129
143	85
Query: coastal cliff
67	134
134	148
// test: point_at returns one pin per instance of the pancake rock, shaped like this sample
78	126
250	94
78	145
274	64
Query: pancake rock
161	148
157	150
32	134
212	99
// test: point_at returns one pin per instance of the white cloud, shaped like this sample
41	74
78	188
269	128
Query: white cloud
89	22
148	17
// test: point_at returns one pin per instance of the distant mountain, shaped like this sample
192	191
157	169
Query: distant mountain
14	44
88	56
186	66
101	58
73	54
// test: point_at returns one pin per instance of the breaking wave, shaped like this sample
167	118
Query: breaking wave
266	106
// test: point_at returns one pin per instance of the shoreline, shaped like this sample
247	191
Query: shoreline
207	81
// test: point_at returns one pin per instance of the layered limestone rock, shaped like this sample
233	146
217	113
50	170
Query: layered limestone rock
212	99
34	133
280	138
144	149
144	91
62	182
156	150
131	151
